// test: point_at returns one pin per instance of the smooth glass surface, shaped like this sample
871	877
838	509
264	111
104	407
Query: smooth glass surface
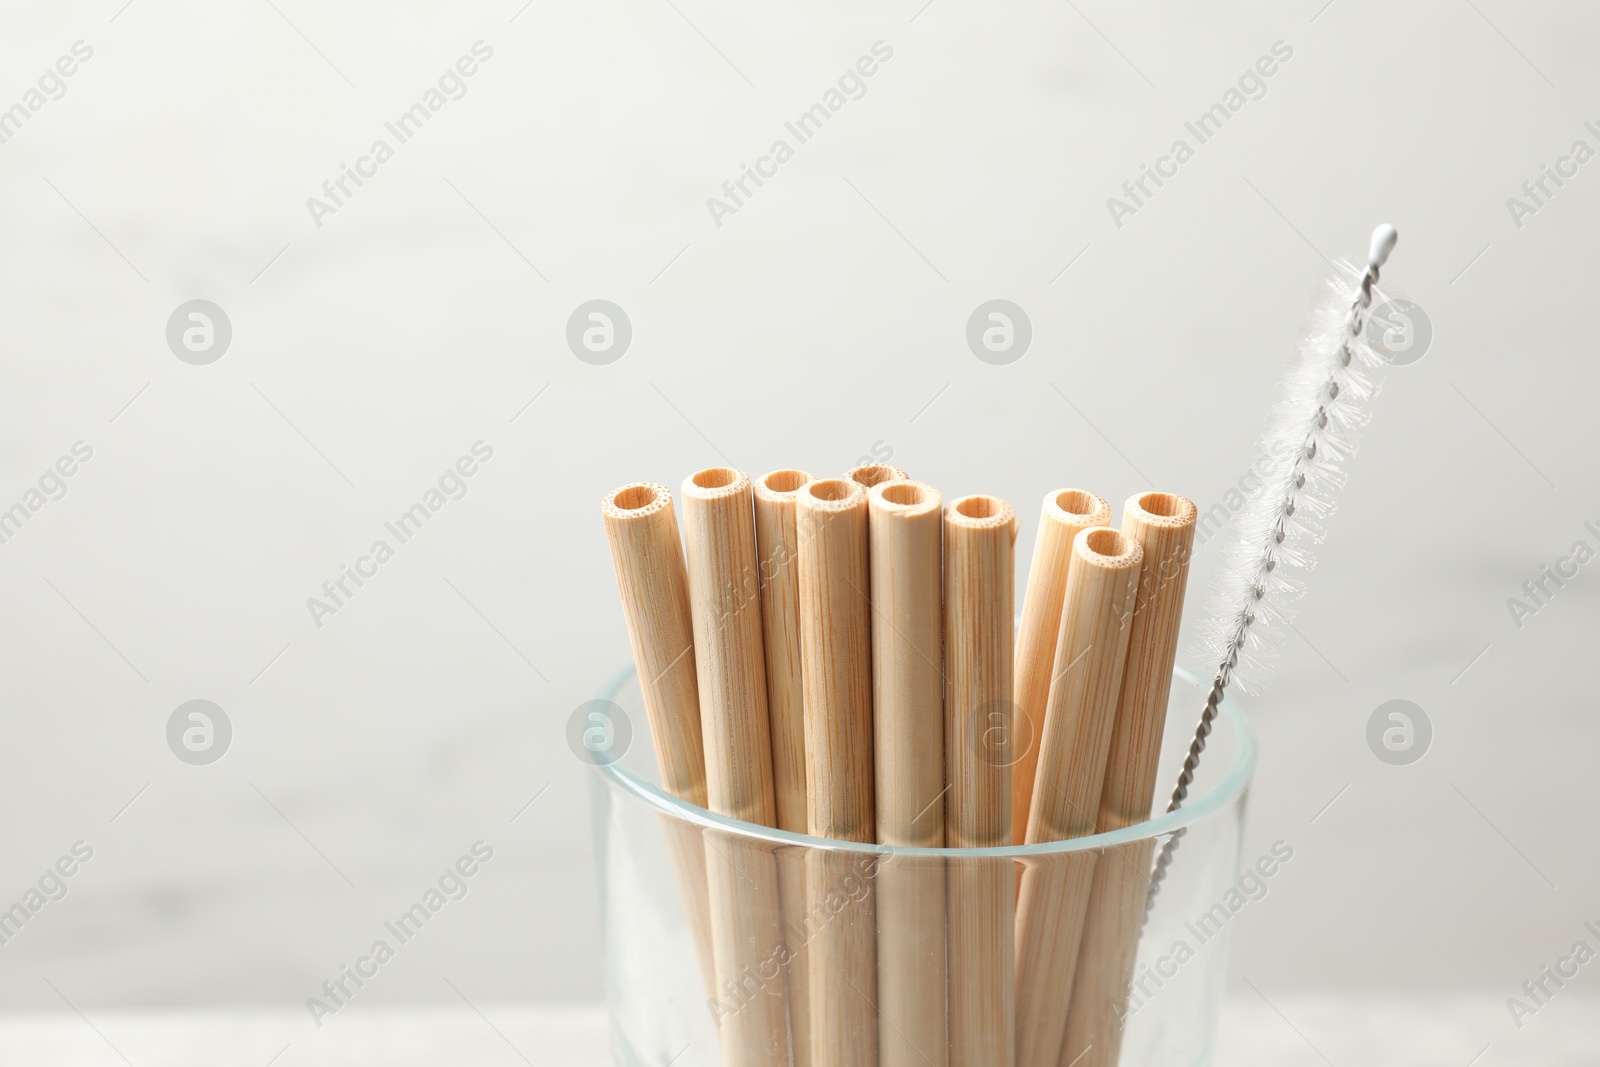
712	925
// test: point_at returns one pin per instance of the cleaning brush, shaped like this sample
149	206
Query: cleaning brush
1313	430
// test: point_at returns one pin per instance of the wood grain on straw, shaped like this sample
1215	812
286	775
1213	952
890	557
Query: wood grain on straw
724	596
651	576
980	534
1164	524
1091	654
908	715
746	917
642	532
778	545
1065	514
836	667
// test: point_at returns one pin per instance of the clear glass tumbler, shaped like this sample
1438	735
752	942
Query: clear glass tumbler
735	945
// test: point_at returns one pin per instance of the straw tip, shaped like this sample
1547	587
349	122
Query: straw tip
1077	507
635	500
831	494
715	483
871	475
782	484
1156	508
1108	549
980	511
905	498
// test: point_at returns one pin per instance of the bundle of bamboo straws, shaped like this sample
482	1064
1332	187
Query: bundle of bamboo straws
838	657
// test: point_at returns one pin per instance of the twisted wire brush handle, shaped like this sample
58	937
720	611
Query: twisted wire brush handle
1383	242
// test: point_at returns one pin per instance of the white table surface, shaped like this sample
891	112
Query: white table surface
1315	1031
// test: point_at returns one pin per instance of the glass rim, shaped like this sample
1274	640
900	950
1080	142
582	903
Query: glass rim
1196	808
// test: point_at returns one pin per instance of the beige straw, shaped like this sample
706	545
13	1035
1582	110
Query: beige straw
1091	654
836	667
1066	513
746	920
980	534
778	546
651	576
1164	524
908	717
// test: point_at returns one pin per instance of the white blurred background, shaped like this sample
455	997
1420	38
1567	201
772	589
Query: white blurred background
822	322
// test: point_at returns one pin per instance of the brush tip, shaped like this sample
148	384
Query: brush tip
1383	241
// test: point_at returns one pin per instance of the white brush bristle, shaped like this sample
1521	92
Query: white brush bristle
1258	582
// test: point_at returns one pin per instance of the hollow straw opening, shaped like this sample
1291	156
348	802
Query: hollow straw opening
634	497
873	474
831	489
1077	504
981	513
1107	542
1162	505
905	500
784	481
906	494
1196	808
1167	511
636	502
715	477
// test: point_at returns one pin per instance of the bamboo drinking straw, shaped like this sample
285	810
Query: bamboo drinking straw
746	919
980	534
1090	660
778	546
836	668
871	475
720	539
651	576
908	717
1164	524
836	658
1066	513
